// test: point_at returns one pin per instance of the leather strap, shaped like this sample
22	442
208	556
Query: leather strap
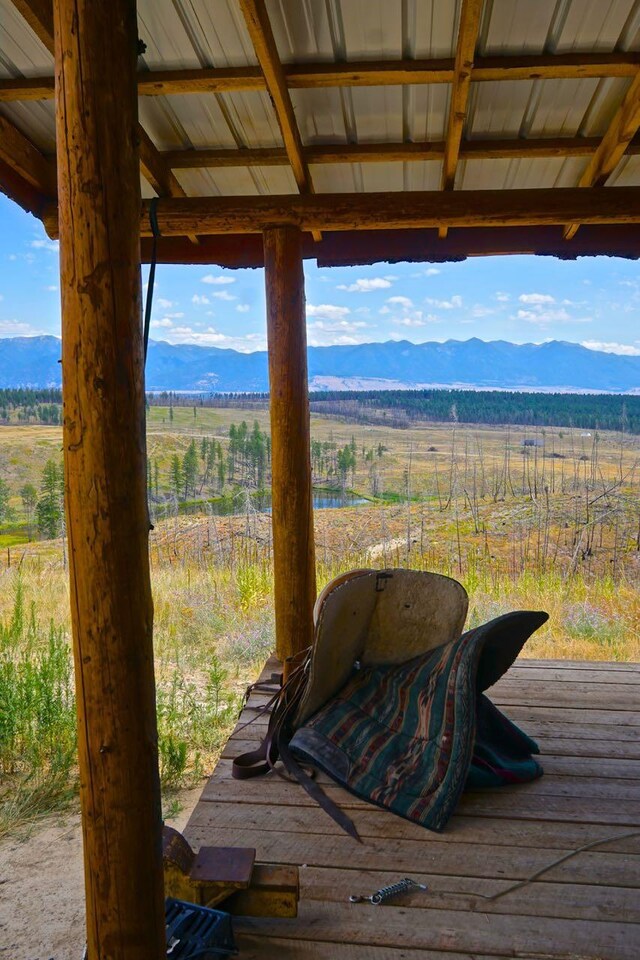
283	708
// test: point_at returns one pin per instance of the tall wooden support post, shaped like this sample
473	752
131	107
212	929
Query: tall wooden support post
104	460
292	506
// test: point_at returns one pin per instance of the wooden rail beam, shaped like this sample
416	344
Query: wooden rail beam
39	16
389	152
292	504
468	30
105	477
264	44
621	131
25	159
21	192
354	73
388	211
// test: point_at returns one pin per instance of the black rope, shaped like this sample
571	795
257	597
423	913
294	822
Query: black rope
155	231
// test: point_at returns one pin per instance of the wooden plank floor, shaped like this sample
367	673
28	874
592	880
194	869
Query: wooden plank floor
586	719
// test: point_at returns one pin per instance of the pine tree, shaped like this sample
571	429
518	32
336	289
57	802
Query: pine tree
49	506
190	470
175	475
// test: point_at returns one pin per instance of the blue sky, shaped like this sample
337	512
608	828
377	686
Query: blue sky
594	301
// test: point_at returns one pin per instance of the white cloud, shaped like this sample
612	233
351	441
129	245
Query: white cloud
214	338
541	315
624	349
324	333
409	321
401	301
200	300
536	298
432	271
209	278
17	328
453	303
223	295
243	308
327	311
502	297
165	304
45	244
367	284
51	288
479	310
165	322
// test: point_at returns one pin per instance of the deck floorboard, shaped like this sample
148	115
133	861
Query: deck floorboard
586	719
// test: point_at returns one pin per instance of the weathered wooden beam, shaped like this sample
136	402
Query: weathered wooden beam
39	16
563	66
621	131
294	570
390	152
26	88
468	30
388	211
156	83
259	28
25	159
350	248
21	192
158	172
105	474
354	73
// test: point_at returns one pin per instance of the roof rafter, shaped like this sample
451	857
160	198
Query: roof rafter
19	153
621	131
408	151
468	30
39	15
16	188
264	44
389	211
365	73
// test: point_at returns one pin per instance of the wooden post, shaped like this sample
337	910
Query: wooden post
292	507
104	463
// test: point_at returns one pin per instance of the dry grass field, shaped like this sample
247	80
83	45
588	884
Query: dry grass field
554	527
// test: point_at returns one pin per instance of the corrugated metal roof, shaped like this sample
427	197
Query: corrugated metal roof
181	34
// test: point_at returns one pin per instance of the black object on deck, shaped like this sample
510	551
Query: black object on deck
194	931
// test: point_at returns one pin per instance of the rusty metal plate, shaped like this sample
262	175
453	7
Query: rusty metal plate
226	866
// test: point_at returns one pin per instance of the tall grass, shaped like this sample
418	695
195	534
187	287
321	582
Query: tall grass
37	715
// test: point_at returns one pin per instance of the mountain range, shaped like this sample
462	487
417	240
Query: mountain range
498	364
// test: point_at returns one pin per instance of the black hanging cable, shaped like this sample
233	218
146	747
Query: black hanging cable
155	232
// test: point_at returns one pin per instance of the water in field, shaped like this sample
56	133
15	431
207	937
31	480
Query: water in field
261	503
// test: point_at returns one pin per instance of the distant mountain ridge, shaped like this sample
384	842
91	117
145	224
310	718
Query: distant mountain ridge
497	364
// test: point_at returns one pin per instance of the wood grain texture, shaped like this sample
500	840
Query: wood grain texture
259	28
416	152
104	467
354	73
389	211
620	132
468	31
292	505
25	159
587	906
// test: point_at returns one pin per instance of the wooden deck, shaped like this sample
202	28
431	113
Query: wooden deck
586	719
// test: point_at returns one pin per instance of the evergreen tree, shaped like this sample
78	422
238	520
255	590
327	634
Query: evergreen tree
175	475
49	506
190	470
5	510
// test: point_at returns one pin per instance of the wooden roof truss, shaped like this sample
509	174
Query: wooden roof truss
29	176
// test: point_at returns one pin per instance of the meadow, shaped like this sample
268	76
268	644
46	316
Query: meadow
545	518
